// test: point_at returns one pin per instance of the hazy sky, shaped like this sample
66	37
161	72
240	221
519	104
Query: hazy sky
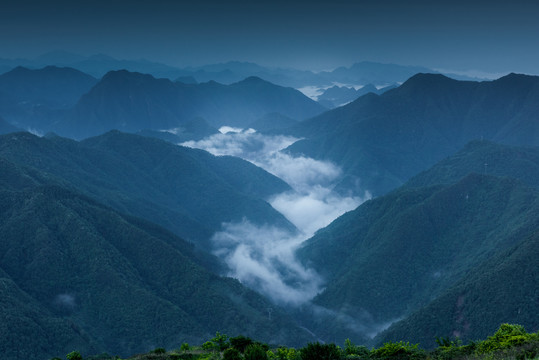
493	36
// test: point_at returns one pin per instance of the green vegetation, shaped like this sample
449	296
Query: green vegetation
437	231
509	342
188	191
78	275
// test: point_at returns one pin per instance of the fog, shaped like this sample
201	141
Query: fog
263	257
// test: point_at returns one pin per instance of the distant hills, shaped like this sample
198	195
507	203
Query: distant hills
382	141
31	99
132	101
81	106
98	65
341	95
434	241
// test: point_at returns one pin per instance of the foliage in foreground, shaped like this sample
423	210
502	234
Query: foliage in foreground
509	342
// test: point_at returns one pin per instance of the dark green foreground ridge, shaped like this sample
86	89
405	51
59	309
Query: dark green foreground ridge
508	342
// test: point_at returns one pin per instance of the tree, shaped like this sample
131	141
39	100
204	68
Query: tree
240	342
74	355
317	351
255	352
221	341
231	354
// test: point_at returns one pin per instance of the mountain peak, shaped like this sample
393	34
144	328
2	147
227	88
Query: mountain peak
253	80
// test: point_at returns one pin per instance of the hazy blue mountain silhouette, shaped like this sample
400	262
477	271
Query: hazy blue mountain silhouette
132	102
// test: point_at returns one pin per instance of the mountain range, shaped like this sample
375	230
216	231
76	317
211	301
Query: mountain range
134	102
98	65
382	141
106	241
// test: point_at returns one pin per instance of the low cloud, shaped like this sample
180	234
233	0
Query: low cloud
315	209
263	257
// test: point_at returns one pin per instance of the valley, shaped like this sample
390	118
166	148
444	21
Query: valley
141	212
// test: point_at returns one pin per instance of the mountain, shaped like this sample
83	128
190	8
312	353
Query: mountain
84	276
129	102
367	72
382	141
132	102
188	191
99	64
504	287
341	95
54	87
32	97
397	253
485	157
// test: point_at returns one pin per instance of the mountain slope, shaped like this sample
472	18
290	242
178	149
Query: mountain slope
122	284
36	98
51	86
187	191
483	157
505	287
397	253
382	141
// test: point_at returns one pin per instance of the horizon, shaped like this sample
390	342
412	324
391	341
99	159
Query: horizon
460	37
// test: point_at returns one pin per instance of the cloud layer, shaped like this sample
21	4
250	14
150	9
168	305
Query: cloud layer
263	257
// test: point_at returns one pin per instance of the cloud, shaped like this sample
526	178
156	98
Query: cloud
65	301
315	209
247	144
263	257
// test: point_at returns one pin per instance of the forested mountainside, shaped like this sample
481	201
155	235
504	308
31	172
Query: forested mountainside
185	190
380	142
79	274
435	232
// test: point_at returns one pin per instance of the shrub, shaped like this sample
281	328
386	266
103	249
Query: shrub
240	342
255	352
159	350
317	351
231	354
398	350
74	355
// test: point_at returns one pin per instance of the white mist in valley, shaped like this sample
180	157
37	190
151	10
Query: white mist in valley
263	257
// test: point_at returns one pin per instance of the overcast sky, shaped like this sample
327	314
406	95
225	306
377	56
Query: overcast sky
492	36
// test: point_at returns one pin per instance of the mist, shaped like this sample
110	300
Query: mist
264	257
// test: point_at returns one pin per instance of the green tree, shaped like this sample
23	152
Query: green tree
255	352
317	351
231	354
399	350
209	345
240	342
221	341
74	355
184	347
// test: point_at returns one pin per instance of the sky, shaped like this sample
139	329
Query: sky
491	36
